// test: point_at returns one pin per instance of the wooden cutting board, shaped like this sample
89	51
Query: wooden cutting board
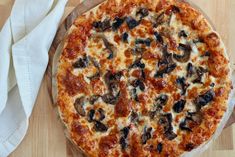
45	136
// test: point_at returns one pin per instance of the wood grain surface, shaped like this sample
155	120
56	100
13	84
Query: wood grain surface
45	137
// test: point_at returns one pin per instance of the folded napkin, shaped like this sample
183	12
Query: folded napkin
25	40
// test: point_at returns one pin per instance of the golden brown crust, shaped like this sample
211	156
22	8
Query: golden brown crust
95	121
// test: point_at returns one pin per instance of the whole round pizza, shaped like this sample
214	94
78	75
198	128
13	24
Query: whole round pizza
142	78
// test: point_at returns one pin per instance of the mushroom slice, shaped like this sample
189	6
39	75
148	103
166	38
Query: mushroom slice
159	147
125	37
81	62
146	135
117	23
187	53
158	105
190	70
168	69
159	20
166	65
109	46
179	106
123	139
102	26
109	98
204	99
192	119
138	64
138	83
181	83
101	114
199	71
78	105
90	115
182	33
142	12
134	116
146	42
158	37
131	22
93	99
100	127
165	120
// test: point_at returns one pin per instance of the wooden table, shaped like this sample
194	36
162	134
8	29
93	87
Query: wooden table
45	136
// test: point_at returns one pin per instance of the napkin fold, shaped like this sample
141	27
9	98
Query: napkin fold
25	40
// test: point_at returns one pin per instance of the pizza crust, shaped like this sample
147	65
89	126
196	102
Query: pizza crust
63	44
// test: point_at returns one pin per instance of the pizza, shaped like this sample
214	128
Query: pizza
142	78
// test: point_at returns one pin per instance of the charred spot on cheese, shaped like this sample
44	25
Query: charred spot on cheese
159	147
142	12
81	62
186	53
90	115
190	70
158	37
123	139
199	72
179	106
137	64
78	105
146	42
147	134
183	34
131	22
102	26
181	83
125	37
205	98
117	23
100	127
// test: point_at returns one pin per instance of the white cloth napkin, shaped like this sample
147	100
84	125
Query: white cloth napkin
24	43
